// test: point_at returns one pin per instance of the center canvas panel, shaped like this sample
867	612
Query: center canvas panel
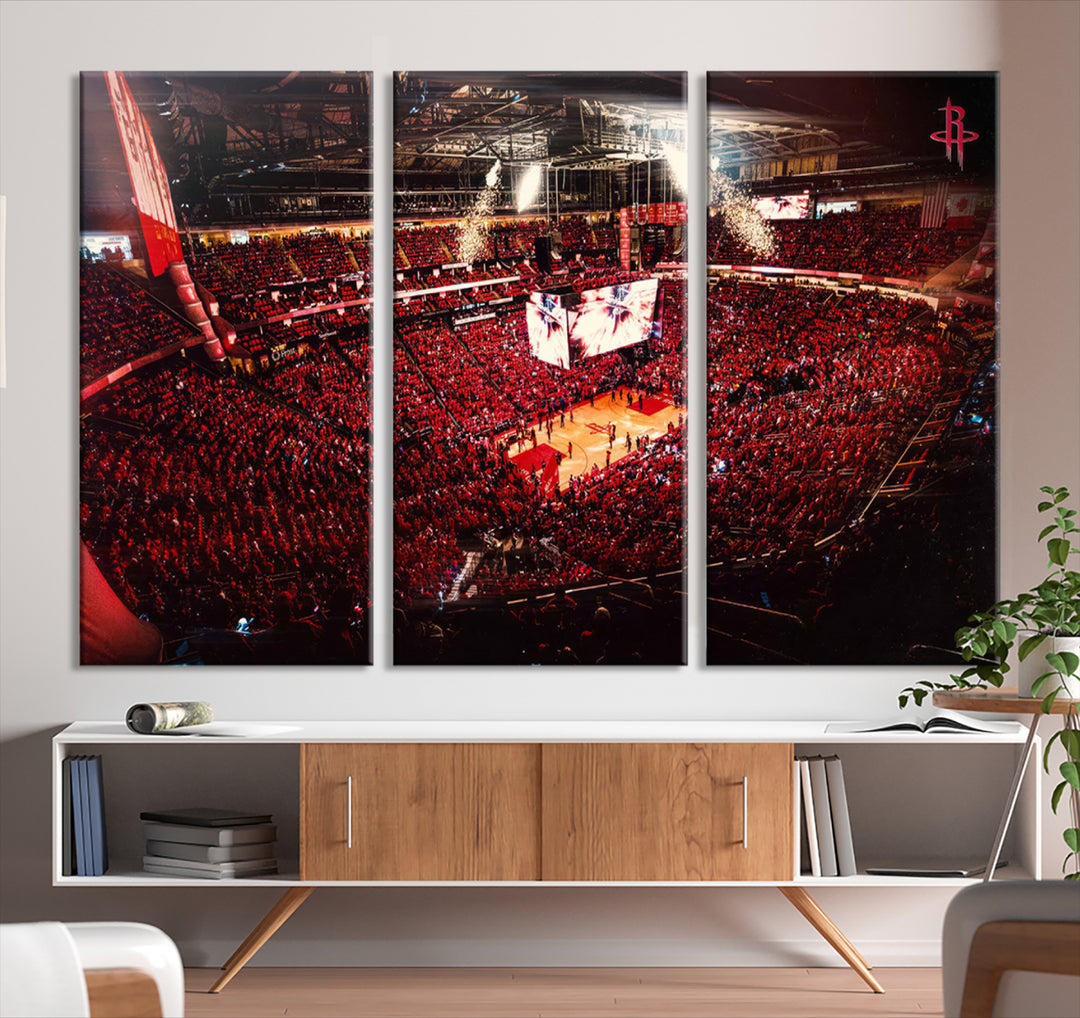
539	368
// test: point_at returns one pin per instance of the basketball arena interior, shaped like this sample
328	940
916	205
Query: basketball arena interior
541	399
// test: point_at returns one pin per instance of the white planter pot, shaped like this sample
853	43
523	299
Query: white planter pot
1029	670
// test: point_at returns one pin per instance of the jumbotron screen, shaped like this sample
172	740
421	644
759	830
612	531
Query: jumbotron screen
545	319
613	317
825	208
784	206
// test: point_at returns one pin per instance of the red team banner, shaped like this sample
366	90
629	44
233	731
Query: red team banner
149	181
669	213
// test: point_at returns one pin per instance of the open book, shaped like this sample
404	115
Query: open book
927	719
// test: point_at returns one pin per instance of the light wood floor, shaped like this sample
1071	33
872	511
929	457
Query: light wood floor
564	993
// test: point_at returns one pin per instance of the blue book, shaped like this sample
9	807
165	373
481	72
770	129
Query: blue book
78	798
88	827
95	795
67	867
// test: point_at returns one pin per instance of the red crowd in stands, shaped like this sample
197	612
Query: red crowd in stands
876	242
453	389
119	322
205	501
812	395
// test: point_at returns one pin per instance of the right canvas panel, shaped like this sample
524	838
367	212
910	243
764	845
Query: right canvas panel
851	326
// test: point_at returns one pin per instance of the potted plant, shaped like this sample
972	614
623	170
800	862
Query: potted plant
1043	625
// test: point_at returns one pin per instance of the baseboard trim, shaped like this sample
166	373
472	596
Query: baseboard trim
564	953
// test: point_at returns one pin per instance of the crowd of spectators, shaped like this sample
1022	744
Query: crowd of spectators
811	397
873	241
455	389
214	497
119	322
206	501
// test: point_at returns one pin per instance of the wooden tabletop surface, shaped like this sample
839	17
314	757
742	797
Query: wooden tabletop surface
999	701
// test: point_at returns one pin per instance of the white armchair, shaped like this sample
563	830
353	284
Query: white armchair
89	970
1011	949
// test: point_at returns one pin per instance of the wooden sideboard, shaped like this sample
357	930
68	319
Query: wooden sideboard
551	804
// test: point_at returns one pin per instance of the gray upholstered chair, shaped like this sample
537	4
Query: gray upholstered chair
1011	949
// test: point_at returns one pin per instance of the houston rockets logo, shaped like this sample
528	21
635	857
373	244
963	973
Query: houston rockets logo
954	133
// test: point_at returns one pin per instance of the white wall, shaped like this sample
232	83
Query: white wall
45	45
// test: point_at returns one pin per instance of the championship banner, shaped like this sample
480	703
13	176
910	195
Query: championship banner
149	182
624	238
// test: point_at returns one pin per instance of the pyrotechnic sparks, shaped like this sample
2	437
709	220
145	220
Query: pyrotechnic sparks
740	215
472	234
528	188
676	159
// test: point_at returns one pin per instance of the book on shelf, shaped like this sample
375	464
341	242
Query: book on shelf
78	821
209	853
934	868
84	852
845	844
67	860
823	817
96	796
827	829
926	720
811	820
200	816
208	870
247	834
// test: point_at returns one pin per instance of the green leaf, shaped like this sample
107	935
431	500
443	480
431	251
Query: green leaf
1047	530
1064	663
902	700
1060	495
1070	739
1072	838
1031	643
1041	681
1070	876
1043	506
1071	773
1069	662
1046	749
1056	797
1047	489
1048	700
920	695
1058	550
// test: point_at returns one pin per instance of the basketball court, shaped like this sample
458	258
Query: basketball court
583	434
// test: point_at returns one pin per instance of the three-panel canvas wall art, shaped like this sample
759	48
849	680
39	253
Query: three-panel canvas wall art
545	231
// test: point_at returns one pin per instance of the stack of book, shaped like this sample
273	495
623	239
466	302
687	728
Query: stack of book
215	844
827	834
86	851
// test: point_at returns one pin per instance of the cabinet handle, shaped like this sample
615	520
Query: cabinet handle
744	805
348	811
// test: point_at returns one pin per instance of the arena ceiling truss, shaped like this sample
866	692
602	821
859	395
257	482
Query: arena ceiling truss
574	121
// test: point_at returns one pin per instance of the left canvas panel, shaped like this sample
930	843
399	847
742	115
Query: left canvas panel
225	368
